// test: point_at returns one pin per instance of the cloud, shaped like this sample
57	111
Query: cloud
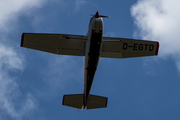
78	4
14	103
159	20
10	62
10	10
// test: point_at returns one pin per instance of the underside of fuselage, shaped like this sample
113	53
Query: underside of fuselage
92	53
93	59
93	49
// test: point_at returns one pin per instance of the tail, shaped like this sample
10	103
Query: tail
77	101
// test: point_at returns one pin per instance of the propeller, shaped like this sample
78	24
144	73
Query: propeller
97	15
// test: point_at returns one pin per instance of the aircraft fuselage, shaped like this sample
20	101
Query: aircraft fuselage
92	53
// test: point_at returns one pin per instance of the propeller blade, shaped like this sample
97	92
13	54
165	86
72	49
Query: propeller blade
97	15
101	16
104	16
91	14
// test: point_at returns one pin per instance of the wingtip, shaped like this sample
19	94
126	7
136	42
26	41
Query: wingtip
63	100
22	40
157	49
106	102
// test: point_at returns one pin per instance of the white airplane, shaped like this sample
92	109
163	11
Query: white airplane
92	47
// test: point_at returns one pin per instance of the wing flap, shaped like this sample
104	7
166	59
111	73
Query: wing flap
125	48
55	43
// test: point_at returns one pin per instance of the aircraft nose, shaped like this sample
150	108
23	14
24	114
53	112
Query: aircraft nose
97	14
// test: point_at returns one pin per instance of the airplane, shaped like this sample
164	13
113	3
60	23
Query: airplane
92	47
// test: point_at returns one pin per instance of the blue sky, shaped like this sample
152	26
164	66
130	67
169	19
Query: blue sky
34	82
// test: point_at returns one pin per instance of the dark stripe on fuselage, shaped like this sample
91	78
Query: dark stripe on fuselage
94	53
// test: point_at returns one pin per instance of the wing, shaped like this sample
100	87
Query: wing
125	48
55	43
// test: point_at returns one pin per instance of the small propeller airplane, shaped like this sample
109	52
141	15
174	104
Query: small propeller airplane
92	47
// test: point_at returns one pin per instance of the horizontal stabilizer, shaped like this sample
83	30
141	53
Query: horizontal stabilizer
96	102
75	100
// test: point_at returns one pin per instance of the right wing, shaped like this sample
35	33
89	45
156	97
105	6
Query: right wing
125	48
55	43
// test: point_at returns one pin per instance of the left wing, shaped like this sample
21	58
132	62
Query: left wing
55	43
125	48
